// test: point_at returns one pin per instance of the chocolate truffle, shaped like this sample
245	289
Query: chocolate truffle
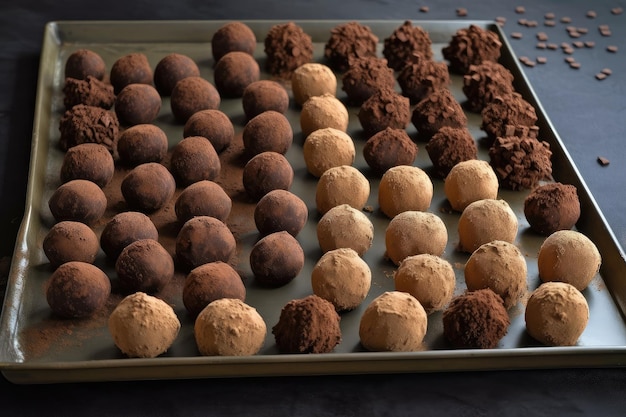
90	92
551	207
344	226
348	41
280	210
413	233
484	221
148	187
287	47
88	124
203	198
88	161
327	148
211	124
448	147
364	77
471	46
83	63
470	181
341	185
276	259
393	322
264	95
404	43
70	241
142	143
389	148
144	265
475	320
312	79
210	282
232	36
123	229
192	94
171	69
485	81
568	256
78	200
505	114
500	266
556	314
307	325
203	239
385	108
404	188
77	290
270	131
137	104
234	72
323	111
341	277
194	159
437	110
265	172
132	68
421	77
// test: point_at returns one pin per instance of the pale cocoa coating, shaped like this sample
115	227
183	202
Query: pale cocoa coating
312	79
88	124
234	72
413	233
132	68
203	239
265	172
366	76
209	282
389	148
448	147
287	47
125	228
78	200
404	188
88	161
144	265
406	42
137	104
327	148
264	95
276	259
470	181
280	210
551	207
194	159
171	69
232	36
70	241
148	187
341	185
203	198
344	226
422	77
270	131
348	41
90	92
83	63
319	112
141	144
385	108
213	125
484	221
191	95
471	46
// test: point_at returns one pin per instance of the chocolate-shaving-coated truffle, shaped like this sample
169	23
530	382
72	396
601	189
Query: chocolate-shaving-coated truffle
448	147
389	148
144	265
203	239
203	198
192	94
312	79
404	43
90	91
471	46
265	172
264	95
78	200
348	41
83	63
276	259
421	77
88	161
70	241
234	72
270	131
133	68
551	207
366	76
125	228
194	159
280	210
437	110
520	162
142	143
137	104
508	115
232	36
385	108
485	81
171	69
148	187
287	47
213	125
209	282
88	124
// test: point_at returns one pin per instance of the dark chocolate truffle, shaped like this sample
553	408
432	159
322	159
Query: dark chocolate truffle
88	161
276	259
265	172
203	239
137	104
209	282
77	290
203	198
233	36
348	41
287	47
422	77
144	265
191	95
552	207
471	46
485	81
213	125
234	72
448	147
437	110
148	187
88	124
83	63
365	77
280	210
404	43
507	114
264	95
171	69
389	148
194	159
385	108
78	200
90	91
270	131
142	143
125	228
130	69
70	241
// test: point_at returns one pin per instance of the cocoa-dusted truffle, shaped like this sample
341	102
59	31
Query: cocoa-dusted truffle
470	181
471	45
404	43
203	198
287	47
484	221
77	290
551	207
327	148
323	111
137	104
148	187
70	241
307	325
265	172
385	108
123	229
312	79
280	210
142	143
232	36
211	124
78	200
209	282
403	188
270	131
415	232
171	69
132	68
234	72
421	77
276	259
90	91
508	115
437	110
341	185
192	94
364	77
144	265
344	226
88	124
203	239
194	159
88	161
448	147
83	63
348	41
264	95
485	81
389	148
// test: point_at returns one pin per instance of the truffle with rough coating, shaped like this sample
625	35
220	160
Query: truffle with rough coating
348	41
404	43
133	68
88	124
88	161
234	72
209	282
327	148
344	226
280	210
507	115
437	110
141	144
123	229
276	259
265	172
422	77
470	46
484	221
203	239
148	187
264	95
191	95
83	63
70	241
323	111
212	124
270	131
364	77
448	147
194	159
171	69
78	200
312	79
404	188
520	162
232	36
413	233
385	108
470	181
144	265
341	185
287	47
203	198
485	81
389	148
551	207
90	91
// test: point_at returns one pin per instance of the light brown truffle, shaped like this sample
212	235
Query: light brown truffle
327	148
344	226
312	79
470	181
323	111
404	188
341	185
485	220
413	233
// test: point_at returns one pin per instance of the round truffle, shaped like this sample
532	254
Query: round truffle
194	159
88	124
203	198
123	229
484	221
88	161
264	95
70	241
280	210
404	188
422	77
507	115
141	144
234	72
77	290
265	172
287	47
210	282
83	63
203	239
414	233
276	259
437	110
366	76
270	131
312	79
470	181
471	46
341	185
144	265
171	69
137	104
232	36
348	41
148	187
78	200
132	68
385	108
90	92
405	42
448	147
323	111
192	94
213	125
389	148
393	322
327	148
551	207
485	81
344	226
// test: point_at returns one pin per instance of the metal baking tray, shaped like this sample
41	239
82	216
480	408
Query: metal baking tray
37	348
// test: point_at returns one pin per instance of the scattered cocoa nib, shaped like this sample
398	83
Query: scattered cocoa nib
603	161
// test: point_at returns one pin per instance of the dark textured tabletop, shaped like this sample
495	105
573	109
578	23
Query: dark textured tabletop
587	113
